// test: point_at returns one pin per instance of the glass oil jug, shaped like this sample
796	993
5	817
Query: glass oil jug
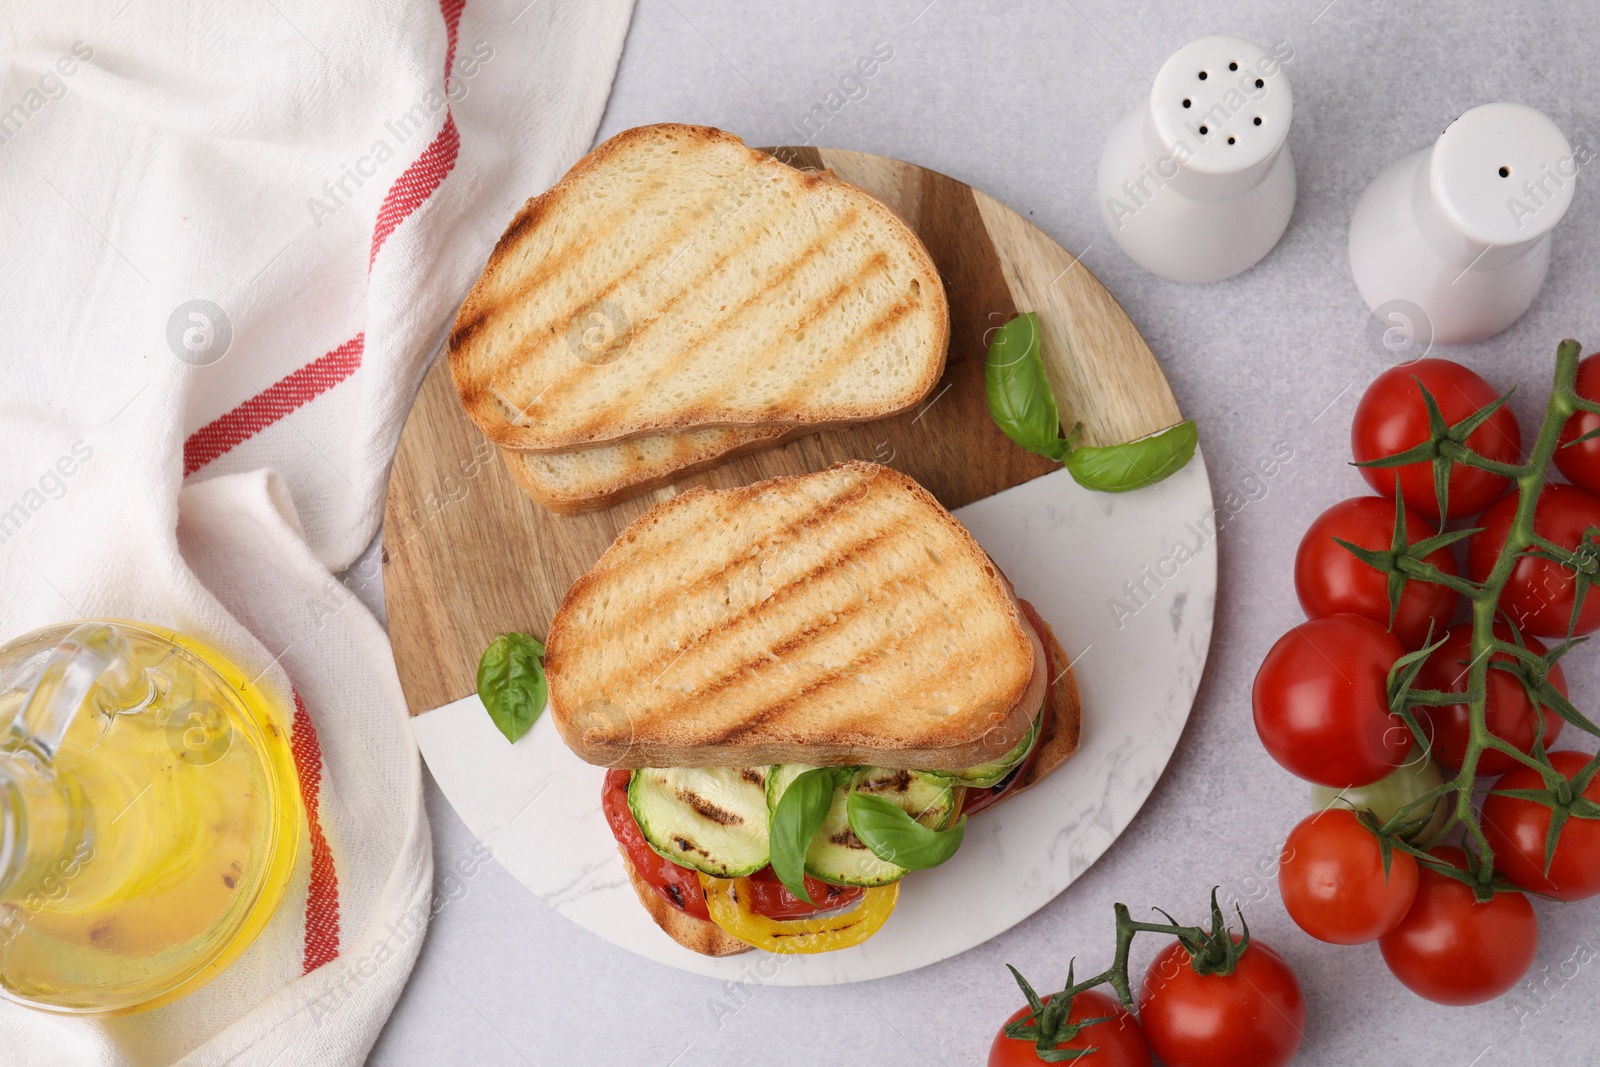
149	816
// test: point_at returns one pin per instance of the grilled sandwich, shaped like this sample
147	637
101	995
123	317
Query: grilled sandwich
839	631
676	280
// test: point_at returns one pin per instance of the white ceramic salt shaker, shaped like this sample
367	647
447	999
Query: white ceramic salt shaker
1460	231
1198	184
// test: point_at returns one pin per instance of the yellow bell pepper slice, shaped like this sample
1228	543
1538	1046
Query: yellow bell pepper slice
728	901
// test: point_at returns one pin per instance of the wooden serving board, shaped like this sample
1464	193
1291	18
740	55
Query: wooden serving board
467	556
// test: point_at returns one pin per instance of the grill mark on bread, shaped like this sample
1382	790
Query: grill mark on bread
498	303
814	312
878	327
640	263
462	333
793	587
797	638
466	328
561	386
773	712
697	412
774	540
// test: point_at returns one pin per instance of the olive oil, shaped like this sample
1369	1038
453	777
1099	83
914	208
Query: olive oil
145	850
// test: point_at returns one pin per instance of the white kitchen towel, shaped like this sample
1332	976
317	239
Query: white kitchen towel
233	235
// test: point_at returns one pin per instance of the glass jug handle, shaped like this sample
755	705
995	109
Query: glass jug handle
93	659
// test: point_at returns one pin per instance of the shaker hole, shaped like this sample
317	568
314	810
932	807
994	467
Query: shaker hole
1202	75
1258	120
1230	140
1204	131
1505	172
1233	66
1260	83
1186	101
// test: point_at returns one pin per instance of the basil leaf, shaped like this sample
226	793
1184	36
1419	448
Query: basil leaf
795	821
897	838
1119	468
511	683
1020	400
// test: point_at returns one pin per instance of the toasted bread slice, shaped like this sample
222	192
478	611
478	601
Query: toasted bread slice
1060	740
677	280
836	617
570	483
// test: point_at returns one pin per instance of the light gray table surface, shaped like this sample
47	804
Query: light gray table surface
1017	99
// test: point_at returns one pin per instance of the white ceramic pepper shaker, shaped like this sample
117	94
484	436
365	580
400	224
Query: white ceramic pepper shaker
1454	241
1198	184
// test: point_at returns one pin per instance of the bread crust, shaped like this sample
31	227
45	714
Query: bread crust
485	410
638	479
696	935
1063	730
602	730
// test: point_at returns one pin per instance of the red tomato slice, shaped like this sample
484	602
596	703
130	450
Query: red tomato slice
680	886
770	897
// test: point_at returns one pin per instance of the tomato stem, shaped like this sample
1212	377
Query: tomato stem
1448	443
1212	951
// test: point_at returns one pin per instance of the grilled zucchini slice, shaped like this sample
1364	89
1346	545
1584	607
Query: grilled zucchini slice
836	855
985	775
712	819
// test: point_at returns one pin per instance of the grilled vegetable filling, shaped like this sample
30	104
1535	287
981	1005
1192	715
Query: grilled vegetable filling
714	819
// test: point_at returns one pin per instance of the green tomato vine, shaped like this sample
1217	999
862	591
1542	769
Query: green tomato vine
1402	562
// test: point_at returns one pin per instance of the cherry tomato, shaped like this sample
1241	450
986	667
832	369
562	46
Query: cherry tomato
1333	884
1254	1017
1117	1043
1450	949
1321	702
1507	712
1393	417
1330	580
1581	462
1540	592
1516	831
